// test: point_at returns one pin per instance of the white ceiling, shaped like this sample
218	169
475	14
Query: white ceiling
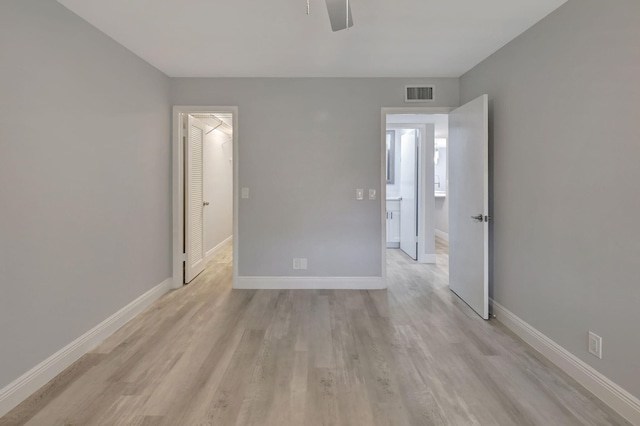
276	38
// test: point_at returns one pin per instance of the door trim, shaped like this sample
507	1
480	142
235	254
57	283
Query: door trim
177	187
383	164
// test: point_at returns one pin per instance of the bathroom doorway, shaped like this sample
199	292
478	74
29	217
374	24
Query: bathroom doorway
468	214
415	161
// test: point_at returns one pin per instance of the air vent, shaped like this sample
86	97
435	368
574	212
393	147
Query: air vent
418	94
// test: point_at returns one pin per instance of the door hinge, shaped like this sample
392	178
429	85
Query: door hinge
184	257
487	218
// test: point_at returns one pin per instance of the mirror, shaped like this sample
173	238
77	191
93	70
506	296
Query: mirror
440	167
391	155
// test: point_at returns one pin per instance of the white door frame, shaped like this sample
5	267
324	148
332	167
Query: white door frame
420	201
383	168
177	191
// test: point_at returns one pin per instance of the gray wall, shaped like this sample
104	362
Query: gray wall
565	103
218	188
305	145
84	180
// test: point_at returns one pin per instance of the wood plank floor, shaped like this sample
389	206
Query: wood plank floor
410	355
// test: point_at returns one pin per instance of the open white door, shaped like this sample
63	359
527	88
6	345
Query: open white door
194	202
469	204
409	193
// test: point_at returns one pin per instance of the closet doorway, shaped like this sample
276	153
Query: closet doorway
204	184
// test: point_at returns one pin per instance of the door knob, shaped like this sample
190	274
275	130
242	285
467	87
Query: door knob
206	203
479	218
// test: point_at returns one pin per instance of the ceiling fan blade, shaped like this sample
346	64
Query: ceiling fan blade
338	14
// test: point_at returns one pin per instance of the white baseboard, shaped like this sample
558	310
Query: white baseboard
20	389
310	283
427	258
442	235
627	405
209	254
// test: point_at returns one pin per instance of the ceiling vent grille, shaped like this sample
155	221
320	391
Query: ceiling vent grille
418	94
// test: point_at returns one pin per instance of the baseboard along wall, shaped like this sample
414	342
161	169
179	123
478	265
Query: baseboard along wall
602	387
209	254
309	283
21	388
428	258
627	405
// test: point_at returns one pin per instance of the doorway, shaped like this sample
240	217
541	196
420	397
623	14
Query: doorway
204	188
415	193
468	194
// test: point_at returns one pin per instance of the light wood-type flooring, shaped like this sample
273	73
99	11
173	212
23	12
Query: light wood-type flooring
410	355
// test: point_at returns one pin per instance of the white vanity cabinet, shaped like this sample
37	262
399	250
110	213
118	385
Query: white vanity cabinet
393	223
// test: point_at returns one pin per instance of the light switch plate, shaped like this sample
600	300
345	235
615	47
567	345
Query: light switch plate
244	192
372	194
359	194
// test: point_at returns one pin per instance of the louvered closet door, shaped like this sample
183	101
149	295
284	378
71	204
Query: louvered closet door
194	203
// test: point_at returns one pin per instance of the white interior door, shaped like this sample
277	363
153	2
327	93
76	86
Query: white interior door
194	202
468	194
409	193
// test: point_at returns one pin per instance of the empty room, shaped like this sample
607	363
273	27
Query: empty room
322	212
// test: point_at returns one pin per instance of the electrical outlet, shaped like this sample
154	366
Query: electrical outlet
299	263
372	194
244	193
359	194
595	345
